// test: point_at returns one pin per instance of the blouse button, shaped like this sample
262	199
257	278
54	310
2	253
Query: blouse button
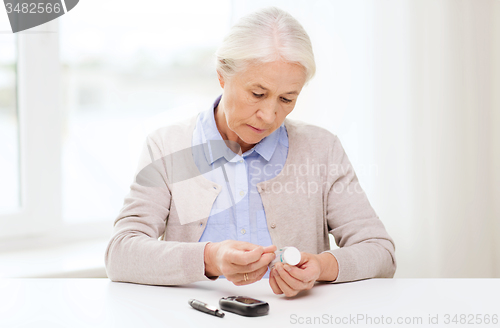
273	225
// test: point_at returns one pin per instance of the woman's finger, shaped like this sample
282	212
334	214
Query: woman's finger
294	283
262	274
304	275
263	262
255	276
270	249
287	290
274	285
239	279
242	257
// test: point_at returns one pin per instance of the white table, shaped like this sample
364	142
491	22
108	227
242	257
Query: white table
102	303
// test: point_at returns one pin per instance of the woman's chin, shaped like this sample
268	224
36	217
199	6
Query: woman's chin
253	139
250	141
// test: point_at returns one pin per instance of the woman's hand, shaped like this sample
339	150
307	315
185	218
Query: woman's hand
240	262
290	280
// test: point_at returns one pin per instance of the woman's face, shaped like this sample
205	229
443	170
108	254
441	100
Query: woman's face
256	101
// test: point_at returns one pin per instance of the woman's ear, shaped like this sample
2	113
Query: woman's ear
221	79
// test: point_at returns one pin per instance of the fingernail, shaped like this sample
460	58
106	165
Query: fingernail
287	267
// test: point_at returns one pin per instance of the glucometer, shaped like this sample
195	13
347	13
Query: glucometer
242	305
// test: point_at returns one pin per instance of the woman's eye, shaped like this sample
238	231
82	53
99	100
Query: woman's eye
286	100
257	95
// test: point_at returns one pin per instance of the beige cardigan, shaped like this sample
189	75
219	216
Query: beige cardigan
155	237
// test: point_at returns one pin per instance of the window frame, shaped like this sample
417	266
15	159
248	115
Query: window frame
39	220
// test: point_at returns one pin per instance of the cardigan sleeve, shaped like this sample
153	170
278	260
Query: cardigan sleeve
366	249
135	253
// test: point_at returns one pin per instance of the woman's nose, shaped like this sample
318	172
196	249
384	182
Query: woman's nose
267	112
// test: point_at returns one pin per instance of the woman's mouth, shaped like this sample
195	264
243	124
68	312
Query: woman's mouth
256	130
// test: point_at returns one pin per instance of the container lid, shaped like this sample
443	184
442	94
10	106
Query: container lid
291	255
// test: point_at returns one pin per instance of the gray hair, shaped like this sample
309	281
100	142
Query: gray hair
264	36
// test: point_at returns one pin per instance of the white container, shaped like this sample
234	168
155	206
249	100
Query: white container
290	255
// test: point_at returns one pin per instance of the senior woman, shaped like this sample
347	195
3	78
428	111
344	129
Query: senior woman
218	194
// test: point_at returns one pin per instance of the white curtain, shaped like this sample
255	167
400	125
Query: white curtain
412	88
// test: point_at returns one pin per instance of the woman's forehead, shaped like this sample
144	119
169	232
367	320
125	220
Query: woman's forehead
288	77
